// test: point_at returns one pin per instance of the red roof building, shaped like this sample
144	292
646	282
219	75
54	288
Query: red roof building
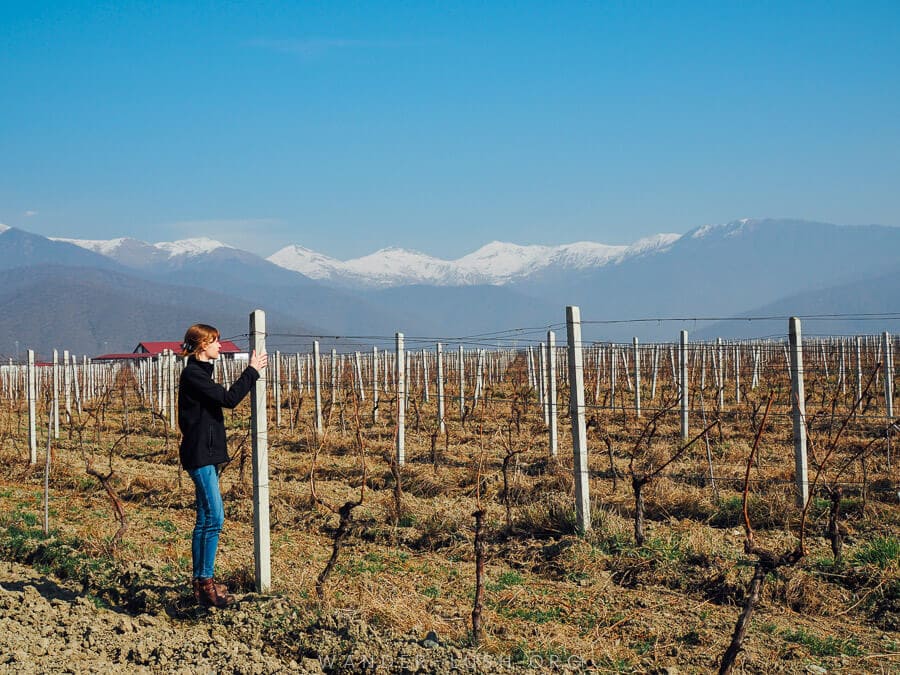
156	348
149	350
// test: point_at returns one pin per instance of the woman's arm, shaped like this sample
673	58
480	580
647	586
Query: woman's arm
215	392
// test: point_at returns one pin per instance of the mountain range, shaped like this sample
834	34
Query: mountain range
495	264
92	296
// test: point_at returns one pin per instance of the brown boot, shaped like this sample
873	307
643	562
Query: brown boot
221	589
211	596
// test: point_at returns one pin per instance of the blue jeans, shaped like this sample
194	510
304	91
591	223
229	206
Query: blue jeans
210	518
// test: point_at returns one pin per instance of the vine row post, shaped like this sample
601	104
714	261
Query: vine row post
552	427
579	428
798	410
401	400
32	409
440	387
317	385
683	384
260	433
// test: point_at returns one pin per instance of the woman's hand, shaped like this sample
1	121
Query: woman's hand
258	362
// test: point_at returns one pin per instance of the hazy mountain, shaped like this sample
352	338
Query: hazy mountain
93	311
20	249
139	254
867	299
492	315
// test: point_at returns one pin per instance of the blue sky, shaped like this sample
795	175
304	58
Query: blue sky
347	127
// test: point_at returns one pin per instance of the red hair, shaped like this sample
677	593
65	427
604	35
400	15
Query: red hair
197	337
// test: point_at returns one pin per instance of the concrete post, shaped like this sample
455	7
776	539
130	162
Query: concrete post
613	375
425	375
720	373
888	360
75	383
334	376
858	367
798	406
407	370
529	365
170	363
542	384
702	368
551	389
259	431
359	377
401	400
637	377
625	369
160	384
32	411
462	384
317	386
55	394
479	378
683	384
754	383
308	376
440	387
276	387
374	384
67	385
579	428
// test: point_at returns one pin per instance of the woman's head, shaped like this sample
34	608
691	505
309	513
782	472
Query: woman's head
197	338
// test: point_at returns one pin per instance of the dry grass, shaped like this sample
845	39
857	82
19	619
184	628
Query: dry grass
550	592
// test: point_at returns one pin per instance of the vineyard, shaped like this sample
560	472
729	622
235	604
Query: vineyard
512	501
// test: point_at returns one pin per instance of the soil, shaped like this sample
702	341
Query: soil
51	625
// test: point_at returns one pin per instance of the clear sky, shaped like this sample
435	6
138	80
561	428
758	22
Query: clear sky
346	127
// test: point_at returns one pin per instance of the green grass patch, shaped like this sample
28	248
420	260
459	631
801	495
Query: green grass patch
614	544
506	580
48	554
664	549
371	563
644	646
167	525
827	646
536	615
882	552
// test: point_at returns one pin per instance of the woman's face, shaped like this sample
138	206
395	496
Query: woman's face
211	350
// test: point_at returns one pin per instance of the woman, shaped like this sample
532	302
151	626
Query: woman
203	450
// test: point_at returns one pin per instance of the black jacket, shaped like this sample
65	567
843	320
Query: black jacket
200	403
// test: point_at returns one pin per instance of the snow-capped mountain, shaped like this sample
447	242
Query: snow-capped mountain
730	229
136	253
496	263
649	289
